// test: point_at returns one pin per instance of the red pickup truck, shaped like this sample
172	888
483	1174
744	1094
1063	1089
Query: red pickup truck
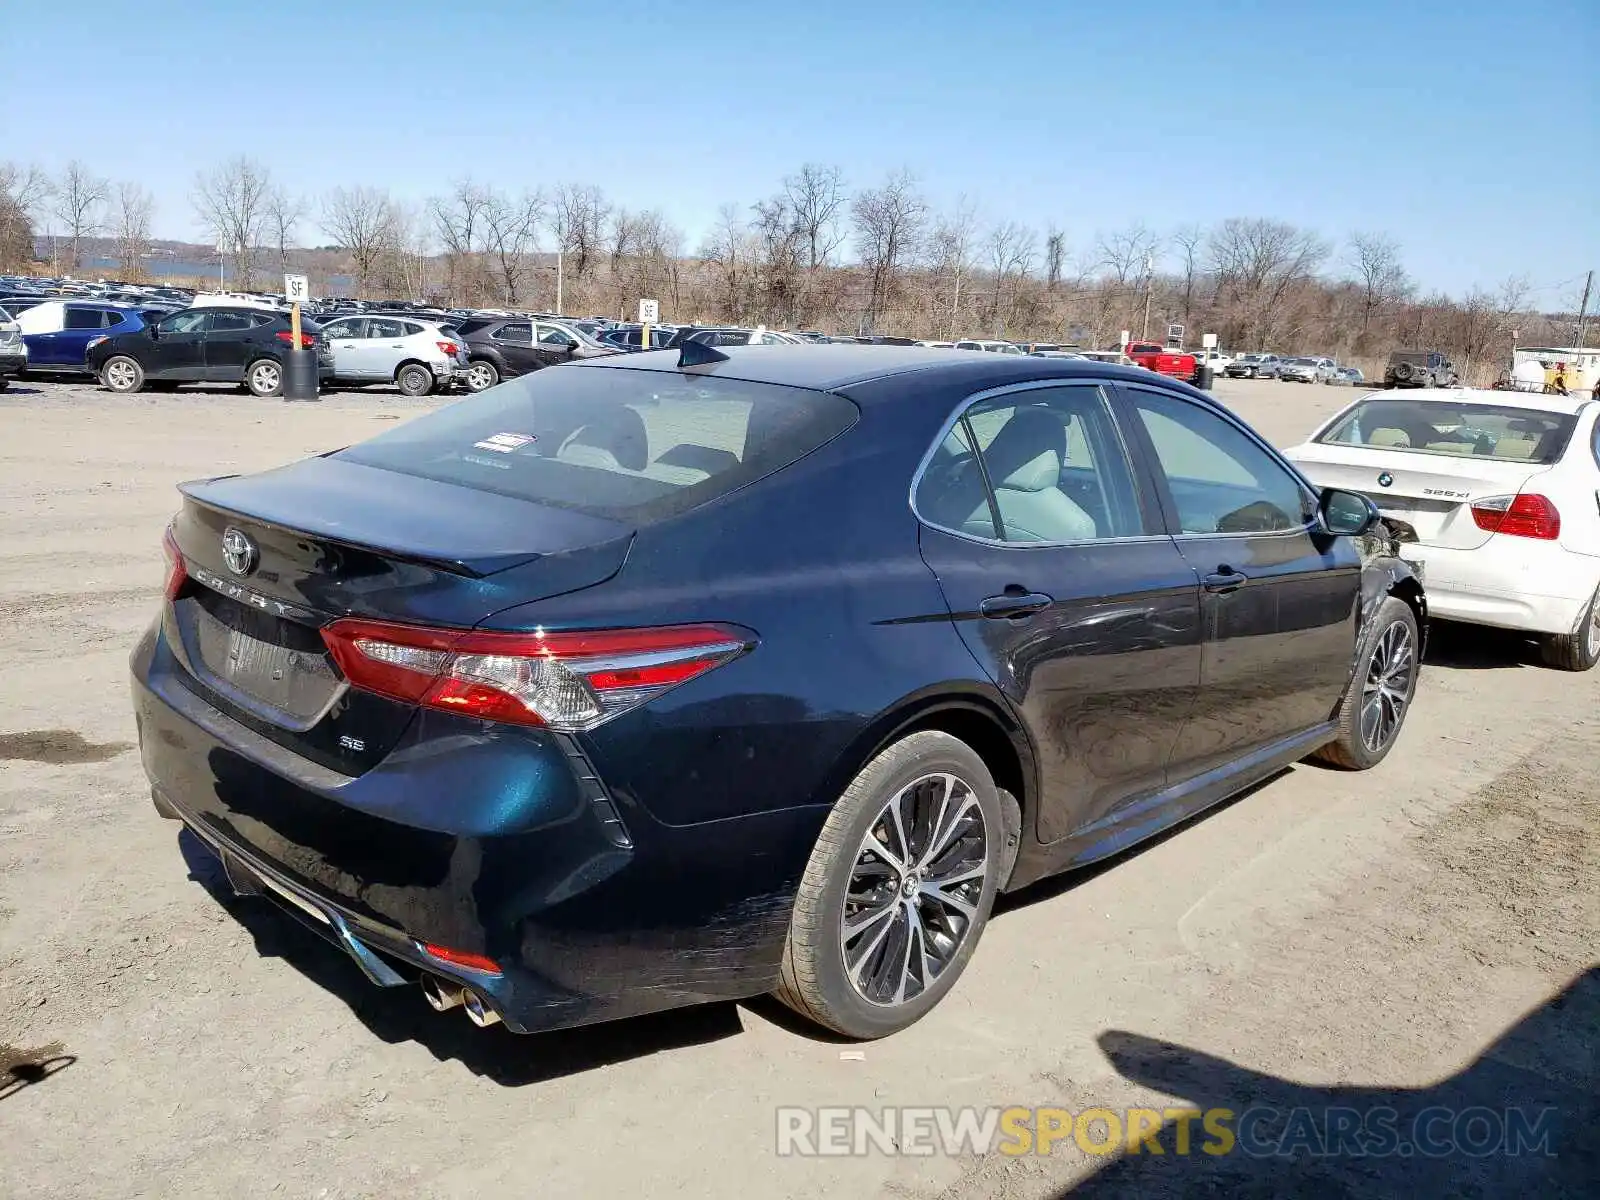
1154	357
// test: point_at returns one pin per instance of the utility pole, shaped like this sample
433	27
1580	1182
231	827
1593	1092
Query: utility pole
1149	278
560	263
1583	308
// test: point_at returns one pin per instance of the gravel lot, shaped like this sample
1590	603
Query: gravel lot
1425	933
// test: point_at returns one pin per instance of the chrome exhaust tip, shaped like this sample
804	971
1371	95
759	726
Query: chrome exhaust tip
441	994
479	1013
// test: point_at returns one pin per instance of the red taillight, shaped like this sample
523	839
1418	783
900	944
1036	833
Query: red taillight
177	573
462	958
1526	515
286	336
447	348
567	680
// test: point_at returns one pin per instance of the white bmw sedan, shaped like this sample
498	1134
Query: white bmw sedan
1494	497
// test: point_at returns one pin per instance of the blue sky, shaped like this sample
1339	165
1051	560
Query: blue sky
1481	156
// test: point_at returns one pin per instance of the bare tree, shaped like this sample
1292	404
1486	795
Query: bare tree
1055	254
726	252
1126	252
80	202
952	251
232	202
282	214
458	220
1010	251
888	224
1190	240
816	199
404	267
578	214
1375	258
510	237
780	257
132	212
360	220
1258	262
23	191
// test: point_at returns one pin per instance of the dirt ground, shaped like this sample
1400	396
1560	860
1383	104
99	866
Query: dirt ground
1423	934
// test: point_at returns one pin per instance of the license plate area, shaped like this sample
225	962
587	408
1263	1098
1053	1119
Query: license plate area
269	664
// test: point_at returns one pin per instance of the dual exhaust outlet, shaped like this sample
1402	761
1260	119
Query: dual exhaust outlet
443	995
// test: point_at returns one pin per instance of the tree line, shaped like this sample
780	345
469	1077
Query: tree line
815	253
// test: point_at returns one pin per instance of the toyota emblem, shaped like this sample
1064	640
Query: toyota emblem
1386	480
239	553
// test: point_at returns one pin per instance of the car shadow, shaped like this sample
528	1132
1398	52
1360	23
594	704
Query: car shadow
1519	1120
400	1014
1479	647
20	389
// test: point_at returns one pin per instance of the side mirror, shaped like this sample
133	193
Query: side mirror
1346	514
155	329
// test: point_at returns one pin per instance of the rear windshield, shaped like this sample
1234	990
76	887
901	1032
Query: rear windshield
634	446
1471	430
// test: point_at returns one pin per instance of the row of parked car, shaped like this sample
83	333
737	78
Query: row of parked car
165	337
1302	369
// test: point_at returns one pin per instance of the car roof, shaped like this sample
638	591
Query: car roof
828	367
1504	399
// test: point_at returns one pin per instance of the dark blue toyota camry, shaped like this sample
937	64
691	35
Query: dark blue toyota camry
683	676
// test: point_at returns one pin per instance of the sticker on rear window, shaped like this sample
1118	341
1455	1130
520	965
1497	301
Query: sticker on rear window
505	443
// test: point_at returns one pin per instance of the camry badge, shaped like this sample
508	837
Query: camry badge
239	553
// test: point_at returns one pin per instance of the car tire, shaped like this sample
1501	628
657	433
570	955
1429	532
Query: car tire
1577	651
1369	727
122	375
264	377
482	375
414	380
921	776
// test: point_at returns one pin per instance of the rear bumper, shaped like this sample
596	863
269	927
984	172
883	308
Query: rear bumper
1489	585
13	364
487	840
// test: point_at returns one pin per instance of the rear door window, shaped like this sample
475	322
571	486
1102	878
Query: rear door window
633	446
82	318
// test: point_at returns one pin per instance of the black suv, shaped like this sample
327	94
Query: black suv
505	347
1419	368
206	345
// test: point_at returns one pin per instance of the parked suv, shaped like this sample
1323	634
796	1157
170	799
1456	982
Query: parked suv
1419	368
58	332
214	345
417	356
505	347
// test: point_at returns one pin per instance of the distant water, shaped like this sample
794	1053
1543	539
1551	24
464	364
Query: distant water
167	268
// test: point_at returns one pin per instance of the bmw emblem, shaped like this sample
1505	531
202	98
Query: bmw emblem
1386	480
239	553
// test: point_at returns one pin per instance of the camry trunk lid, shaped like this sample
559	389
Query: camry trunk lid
272	558
1428	496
